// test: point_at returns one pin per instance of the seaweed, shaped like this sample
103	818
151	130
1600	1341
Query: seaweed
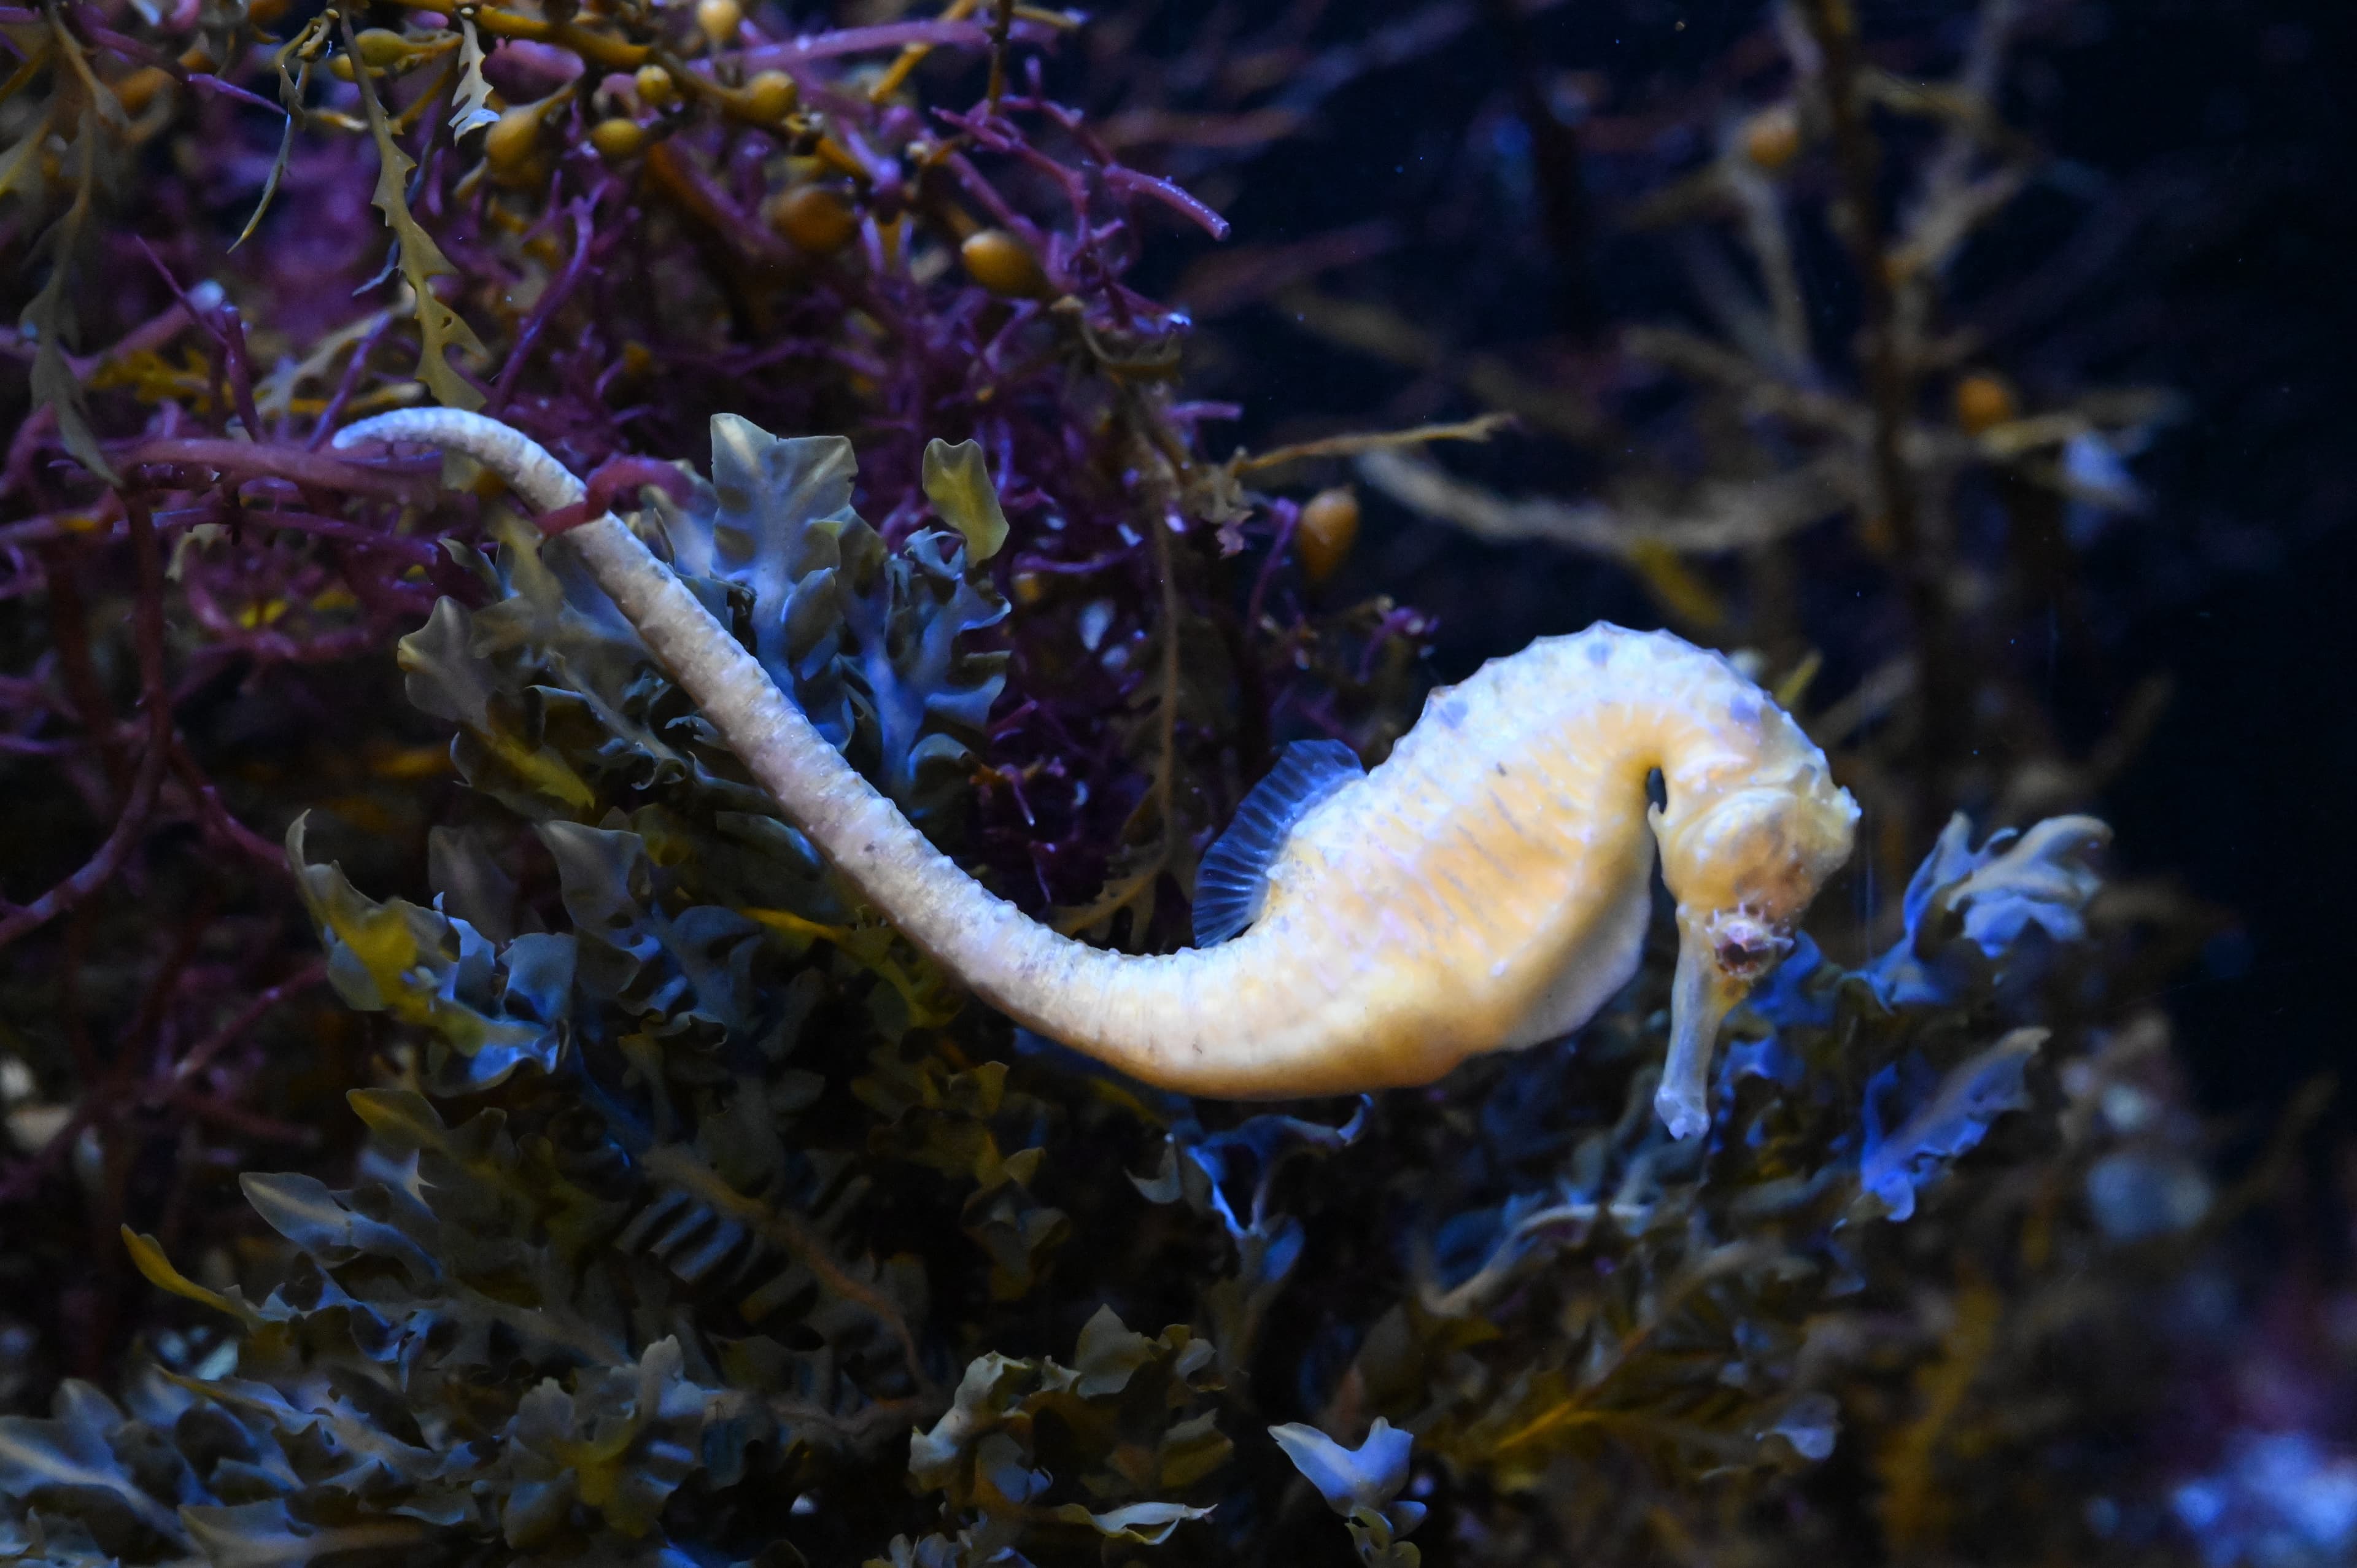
450	1115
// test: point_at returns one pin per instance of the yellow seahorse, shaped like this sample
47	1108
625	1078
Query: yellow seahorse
1486	888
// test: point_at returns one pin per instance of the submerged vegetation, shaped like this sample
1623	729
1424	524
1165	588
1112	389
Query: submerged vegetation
452	1117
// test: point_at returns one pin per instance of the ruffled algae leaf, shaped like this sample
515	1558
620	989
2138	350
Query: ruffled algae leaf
1902	1156
873	645
1367	1476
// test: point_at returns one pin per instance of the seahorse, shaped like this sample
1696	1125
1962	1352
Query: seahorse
1487	886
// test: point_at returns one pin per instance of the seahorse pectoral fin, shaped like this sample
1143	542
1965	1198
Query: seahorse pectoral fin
1232	881
1701	995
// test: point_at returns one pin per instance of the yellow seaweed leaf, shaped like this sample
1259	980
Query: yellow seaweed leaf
379	938
48	320
1913	1504
871	946
957	481
1677	586
1792	686
439	328
147	1257
543	769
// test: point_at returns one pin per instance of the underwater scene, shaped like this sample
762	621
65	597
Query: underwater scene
938	783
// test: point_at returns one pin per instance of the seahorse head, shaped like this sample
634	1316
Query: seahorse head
1744	860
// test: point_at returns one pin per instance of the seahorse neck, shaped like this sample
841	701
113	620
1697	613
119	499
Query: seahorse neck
1639	702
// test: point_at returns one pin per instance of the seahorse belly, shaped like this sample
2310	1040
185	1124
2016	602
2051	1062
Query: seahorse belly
1486	888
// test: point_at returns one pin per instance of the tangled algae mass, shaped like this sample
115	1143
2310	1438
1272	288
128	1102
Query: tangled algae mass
755	816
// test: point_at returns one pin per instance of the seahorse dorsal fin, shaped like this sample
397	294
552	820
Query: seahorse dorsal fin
1233	878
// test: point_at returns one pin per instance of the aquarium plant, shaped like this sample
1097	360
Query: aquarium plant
454	1115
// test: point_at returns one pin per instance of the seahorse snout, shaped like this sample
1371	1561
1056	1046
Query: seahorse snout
1744	868
1745	944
